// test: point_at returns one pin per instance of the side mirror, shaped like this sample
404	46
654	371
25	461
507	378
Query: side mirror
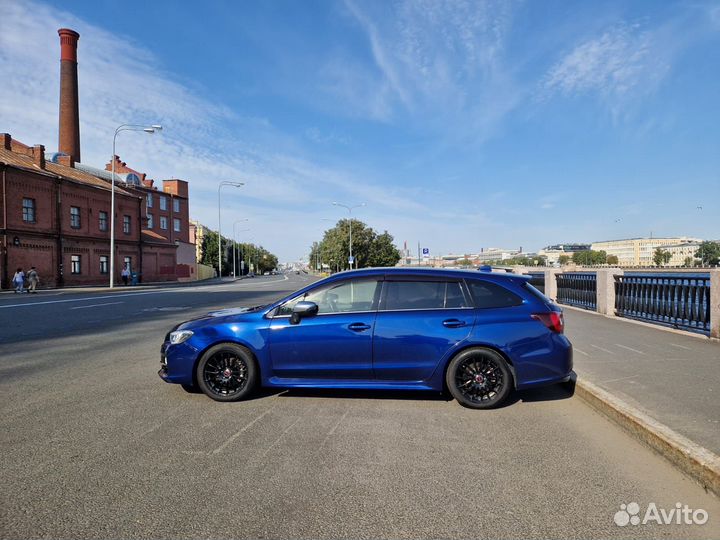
303	309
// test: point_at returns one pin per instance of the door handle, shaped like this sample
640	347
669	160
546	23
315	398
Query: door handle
359	327
453	323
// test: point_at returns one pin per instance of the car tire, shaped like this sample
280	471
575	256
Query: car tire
226	372
479	378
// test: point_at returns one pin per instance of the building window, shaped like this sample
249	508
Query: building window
176	225
29	210
75	264
176	205
127	263
126	224
163	223
150	221
103	220
163	203
149	200
103	264
75	217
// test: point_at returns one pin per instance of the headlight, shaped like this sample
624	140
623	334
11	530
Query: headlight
179	336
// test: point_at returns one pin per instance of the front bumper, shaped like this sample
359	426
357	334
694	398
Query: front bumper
177	362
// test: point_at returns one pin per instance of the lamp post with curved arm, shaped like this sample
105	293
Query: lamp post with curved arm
224	183
123	127
350	209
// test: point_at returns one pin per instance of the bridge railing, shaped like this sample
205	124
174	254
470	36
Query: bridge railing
577	289
678	300
537	280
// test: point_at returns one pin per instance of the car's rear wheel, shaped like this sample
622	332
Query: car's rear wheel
226	372
479	378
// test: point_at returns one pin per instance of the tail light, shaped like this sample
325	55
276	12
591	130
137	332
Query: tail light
553	320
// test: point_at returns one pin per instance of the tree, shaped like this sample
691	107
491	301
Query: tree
612	259
709	253
369	248
589	257
564	259
688	262
464	262
661	257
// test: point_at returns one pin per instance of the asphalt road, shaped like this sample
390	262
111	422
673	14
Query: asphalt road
95	445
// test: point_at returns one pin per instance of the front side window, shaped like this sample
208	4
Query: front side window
103	220
176	205
75	217
176	224
29	210
163	203
126	224
491	295
403	295
348	296
75	264
163	222
103	264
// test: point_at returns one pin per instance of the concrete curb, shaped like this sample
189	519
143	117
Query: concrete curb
699	463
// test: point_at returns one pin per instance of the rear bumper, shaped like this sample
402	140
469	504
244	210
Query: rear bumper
555	367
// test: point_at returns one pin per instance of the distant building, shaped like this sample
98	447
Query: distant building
197	234
495	254
680	252
638	251
553	253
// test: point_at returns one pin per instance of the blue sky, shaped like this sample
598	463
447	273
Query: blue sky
462	125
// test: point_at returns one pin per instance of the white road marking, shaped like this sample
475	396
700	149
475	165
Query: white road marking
242	430
603	350
139	293
96	305
334	428
620	379
267	450
629	349
681	347
581	352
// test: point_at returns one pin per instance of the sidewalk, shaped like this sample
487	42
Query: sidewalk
671	377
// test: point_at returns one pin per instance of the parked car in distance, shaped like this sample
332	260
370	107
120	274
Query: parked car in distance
266	273
478	335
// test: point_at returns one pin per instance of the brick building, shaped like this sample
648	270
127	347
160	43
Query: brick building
56	211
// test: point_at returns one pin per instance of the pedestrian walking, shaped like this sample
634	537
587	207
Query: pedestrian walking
125	274
19	281
33	280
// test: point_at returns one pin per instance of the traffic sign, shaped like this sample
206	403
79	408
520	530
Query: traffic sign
426	251
351	260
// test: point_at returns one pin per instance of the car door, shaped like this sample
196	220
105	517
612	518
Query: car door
419	320
336	343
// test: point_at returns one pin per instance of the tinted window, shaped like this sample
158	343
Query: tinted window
355	295
423	295
490	295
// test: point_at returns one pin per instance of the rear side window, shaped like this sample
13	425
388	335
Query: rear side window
423	295
491	295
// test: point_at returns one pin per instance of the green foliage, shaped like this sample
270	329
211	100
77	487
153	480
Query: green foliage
689	261
256	257
661	257
369	247
464	262
709	253
564	259
589	257
612	259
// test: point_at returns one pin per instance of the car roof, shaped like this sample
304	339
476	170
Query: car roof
431	272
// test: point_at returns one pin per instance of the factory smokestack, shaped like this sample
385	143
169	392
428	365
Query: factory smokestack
69	129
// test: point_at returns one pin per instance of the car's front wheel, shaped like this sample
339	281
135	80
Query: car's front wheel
226	372
479	378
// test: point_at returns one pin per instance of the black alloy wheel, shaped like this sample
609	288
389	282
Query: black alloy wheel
479	378
226	372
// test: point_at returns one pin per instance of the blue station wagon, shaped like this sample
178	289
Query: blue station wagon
478	335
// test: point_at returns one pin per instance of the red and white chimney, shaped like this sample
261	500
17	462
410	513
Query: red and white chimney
69	129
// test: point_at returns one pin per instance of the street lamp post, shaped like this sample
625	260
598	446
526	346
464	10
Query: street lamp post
123	127
224	183
235	242
350	209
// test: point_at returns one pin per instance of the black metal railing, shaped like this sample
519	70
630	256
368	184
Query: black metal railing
682	301
577	289
537	280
